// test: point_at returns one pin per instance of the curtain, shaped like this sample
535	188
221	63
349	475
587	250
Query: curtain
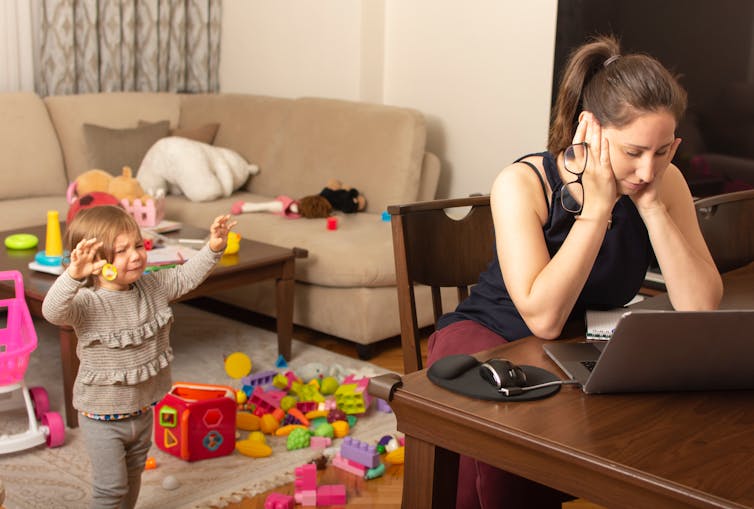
16	53
129	45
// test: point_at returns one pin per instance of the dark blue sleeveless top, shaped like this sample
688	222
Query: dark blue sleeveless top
616	276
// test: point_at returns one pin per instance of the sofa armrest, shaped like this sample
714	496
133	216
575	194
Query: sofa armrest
430	177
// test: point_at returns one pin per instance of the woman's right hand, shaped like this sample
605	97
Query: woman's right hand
598	179
84	260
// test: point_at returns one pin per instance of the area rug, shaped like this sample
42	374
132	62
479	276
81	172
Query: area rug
60	478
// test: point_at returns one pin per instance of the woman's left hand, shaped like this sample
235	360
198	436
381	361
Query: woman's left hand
649	197
218	238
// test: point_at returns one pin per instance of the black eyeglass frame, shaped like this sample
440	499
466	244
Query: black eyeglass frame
564	193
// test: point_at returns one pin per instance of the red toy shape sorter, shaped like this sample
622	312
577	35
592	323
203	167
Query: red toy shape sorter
196	421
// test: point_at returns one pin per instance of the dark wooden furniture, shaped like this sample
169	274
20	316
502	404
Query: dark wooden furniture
254	262
667	450
437	250
727	223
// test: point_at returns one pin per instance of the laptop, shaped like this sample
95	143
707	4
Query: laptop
653	350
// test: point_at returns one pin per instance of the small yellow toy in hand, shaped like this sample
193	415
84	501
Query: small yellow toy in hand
234	243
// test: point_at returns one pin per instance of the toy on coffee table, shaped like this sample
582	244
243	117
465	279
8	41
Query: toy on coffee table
334	197
50	259
98	187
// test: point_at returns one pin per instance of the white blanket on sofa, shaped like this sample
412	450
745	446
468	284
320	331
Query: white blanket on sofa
200	171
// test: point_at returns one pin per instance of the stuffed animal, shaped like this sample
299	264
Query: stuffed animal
122	186
333	197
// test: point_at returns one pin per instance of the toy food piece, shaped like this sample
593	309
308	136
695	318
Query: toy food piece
21	241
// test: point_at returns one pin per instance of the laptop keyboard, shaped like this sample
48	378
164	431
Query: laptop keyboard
589	364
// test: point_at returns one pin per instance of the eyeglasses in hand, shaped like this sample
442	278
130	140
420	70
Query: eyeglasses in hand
572	193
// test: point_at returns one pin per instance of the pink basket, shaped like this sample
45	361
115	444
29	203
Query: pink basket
18	339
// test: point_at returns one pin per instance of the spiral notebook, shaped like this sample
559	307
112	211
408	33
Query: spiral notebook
600	325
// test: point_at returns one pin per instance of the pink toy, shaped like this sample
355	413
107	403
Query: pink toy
349	466
331	494
196	421
305	485
279	501
17	340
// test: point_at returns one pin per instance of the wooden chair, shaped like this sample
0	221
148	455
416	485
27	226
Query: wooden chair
434	249
727	223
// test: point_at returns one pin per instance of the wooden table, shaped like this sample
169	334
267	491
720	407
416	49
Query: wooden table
255	261
664	450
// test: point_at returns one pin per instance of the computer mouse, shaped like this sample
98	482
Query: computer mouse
502	373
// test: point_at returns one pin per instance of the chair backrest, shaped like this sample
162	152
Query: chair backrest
440	251
727	223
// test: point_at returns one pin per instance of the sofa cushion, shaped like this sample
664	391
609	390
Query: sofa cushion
204	133
31	162
115	110
358	254
111	149
363	145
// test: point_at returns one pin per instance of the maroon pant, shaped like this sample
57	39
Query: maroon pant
481	486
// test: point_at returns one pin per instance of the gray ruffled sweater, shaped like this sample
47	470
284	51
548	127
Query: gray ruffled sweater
124	336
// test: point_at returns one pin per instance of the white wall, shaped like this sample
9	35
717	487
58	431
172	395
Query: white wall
480	71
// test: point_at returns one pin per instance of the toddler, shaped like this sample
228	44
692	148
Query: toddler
122	319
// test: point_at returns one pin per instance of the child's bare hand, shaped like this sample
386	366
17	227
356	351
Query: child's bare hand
218	238
84	260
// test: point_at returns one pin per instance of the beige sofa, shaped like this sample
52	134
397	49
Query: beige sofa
346	286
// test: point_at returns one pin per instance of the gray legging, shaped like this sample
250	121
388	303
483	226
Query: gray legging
118	452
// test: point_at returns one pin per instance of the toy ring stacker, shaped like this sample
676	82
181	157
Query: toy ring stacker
21	241
109	271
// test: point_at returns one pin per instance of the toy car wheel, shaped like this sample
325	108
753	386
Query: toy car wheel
40	400
55	429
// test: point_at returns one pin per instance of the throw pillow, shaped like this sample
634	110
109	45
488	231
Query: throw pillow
111	149
205	133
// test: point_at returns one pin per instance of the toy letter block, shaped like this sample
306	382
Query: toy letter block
196	421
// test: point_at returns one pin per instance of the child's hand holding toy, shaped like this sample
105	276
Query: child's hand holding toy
218	238
83	259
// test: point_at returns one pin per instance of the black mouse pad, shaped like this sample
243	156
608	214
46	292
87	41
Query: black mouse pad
460	373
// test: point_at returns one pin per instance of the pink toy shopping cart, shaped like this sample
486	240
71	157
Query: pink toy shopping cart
17	340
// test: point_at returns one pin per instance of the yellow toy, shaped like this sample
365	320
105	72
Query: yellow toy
234	243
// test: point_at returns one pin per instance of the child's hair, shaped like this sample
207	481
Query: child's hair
615	88
105	223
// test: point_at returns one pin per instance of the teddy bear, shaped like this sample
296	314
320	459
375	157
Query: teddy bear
121	186
334	196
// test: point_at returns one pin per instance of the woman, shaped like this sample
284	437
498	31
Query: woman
577	226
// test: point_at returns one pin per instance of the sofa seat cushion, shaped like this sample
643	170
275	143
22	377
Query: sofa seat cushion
359	253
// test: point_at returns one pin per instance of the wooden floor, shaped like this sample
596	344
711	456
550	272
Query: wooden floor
382	493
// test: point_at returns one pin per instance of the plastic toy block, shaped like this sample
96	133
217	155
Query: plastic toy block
320	442
348	465
306	477
349	400
331	494
280	362
279	501
361	452
306	498
262	378
265	401
362	384
307	406
384	406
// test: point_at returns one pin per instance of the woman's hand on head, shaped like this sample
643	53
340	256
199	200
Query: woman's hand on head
84	259
649	197
600	190
218	238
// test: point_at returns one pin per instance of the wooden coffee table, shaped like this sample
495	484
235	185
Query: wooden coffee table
254	262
